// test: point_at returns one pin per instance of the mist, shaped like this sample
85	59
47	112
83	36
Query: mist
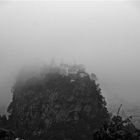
102	35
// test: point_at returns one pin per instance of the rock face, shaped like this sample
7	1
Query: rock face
57	106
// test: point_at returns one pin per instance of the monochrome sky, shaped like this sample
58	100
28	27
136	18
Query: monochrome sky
104	35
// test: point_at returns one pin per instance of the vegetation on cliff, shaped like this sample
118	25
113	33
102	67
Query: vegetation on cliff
58	104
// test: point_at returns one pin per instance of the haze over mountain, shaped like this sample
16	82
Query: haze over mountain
102	35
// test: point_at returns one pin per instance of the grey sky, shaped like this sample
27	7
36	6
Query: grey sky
103	35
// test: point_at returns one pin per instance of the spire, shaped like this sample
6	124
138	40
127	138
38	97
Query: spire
53	63
61	62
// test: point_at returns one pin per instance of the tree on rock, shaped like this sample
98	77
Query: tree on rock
57	106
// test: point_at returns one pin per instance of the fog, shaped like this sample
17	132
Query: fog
103	35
